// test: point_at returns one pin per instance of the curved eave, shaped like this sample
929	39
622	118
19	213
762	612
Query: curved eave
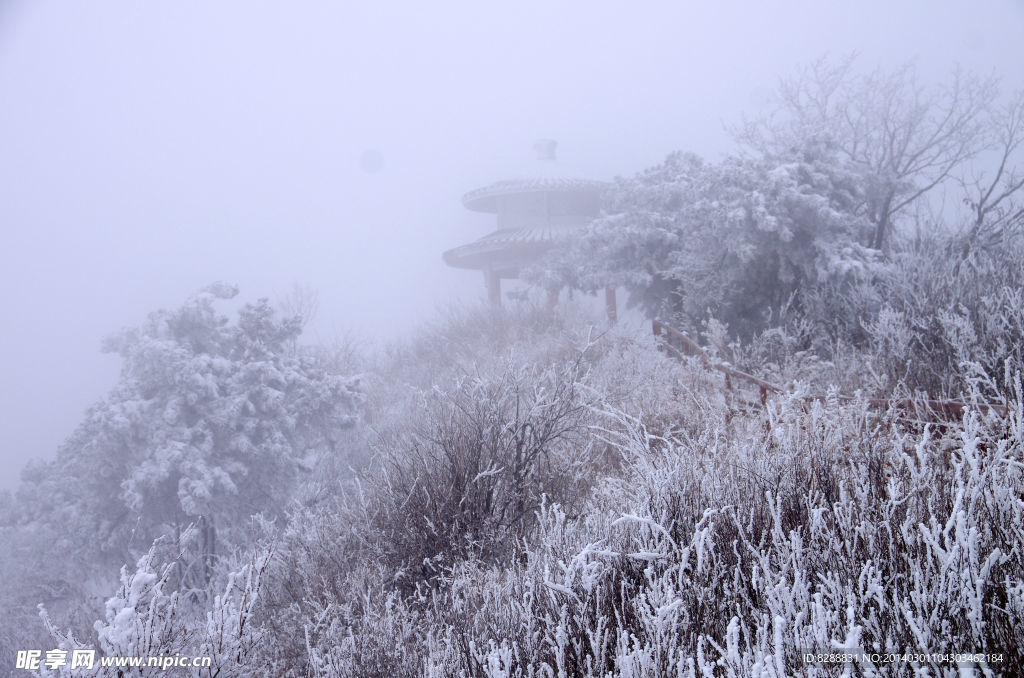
486	199
495	257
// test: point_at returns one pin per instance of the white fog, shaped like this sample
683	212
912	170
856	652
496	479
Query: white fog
318	153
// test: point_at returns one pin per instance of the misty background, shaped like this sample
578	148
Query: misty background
147	149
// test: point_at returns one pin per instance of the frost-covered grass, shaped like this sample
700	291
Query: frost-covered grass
725	554
713	558
558	500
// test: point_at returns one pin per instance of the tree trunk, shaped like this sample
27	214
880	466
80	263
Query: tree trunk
882	227
208	539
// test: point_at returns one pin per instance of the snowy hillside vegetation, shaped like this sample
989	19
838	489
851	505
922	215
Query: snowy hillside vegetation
567	501
705	544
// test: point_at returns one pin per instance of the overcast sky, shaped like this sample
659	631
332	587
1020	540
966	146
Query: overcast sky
148	148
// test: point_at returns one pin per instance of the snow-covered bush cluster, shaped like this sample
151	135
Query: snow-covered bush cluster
571	502
727	558
145	618
723	553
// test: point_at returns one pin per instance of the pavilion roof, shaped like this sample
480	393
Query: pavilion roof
486	199
505	244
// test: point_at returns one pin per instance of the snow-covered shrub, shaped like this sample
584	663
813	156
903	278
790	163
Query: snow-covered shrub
465	478
324	570
343	582
384	640
946	314
29	577
730	556
926	321
146	619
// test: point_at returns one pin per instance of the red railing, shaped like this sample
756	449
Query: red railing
680	344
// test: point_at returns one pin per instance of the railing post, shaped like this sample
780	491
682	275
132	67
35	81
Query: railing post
611	307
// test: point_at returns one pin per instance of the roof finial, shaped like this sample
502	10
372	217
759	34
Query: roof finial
545	149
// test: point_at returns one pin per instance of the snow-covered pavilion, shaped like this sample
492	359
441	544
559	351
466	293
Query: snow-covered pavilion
535	213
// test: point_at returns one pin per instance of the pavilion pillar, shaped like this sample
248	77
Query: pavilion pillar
493	282
611	307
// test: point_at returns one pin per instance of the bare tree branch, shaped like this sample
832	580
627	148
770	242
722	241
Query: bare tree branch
906	138
995	202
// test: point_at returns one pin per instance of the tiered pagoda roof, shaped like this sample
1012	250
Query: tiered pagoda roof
534	213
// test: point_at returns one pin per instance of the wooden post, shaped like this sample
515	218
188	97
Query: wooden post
610	305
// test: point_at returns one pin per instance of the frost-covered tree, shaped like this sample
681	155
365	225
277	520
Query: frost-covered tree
812	201
737	238
906	137
210	423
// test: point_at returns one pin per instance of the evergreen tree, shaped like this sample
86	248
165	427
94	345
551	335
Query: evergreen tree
210	423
